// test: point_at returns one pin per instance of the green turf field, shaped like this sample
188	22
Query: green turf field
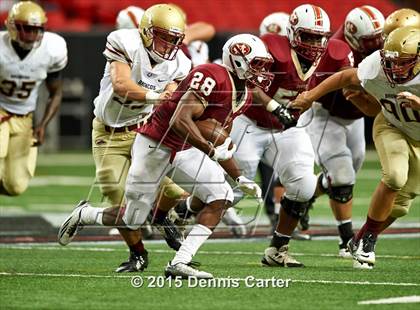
80	276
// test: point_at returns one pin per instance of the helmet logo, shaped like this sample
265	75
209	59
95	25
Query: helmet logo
273	28
351	28
240	49
293	19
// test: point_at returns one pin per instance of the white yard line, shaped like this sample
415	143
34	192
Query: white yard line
394	300
318	281
102	249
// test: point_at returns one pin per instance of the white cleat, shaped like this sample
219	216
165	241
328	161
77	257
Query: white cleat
185	271
274	257
363	252
71	225
235	223
344	253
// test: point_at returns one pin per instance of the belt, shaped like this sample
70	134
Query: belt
4	118
121	129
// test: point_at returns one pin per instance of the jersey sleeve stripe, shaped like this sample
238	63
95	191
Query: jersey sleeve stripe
117	51
58	65
119	57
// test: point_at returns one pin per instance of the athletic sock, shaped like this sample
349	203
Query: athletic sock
91	216
371	226
279	240
345	230
195	239
138	248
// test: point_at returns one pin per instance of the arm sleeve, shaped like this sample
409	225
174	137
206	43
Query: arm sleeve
115	49
369	68
58	54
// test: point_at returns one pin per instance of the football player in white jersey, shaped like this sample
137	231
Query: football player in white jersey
143	66
396	131
28	57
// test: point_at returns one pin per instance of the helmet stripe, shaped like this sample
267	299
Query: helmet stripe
318	15
133	18
371	15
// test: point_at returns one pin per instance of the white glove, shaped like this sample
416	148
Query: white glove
249	187
222	151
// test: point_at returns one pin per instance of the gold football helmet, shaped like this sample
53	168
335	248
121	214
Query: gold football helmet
401	18
401	55
162	30
25	24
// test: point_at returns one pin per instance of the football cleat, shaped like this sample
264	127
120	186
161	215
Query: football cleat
363	252
71	225
274	257
185	271
169	231
343	251
135	263
235	223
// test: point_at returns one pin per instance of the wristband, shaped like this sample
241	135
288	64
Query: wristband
151	97
272	105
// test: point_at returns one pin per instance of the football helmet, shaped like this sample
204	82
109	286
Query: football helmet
275	23
26	24
400	57
363	29
247	57
162	31
401	18
308	30
129	18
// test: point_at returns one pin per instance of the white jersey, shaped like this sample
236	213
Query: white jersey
20	78
126	46
374	80
199	51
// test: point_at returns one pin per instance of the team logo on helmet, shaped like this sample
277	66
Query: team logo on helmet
293	19
240	49
351	28
273	28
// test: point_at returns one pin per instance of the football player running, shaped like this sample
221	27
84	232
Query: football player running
28	57
142	65
337	126
304	53
396	131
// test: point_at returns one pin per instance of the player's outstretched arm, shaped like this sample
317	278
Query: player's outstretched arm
337	81
54	85
126	88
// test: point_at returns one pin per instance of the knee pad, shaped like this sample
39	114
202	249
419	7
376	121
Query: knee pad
295	209
341	194
395	179
15	189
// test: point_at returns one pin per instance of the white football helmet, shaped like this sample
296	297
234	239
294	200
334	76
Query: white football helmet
129	18
308	31
363	29
275	23
247	57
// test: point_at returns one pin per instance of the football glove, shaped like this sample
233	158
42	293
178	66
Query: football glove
288	117
222	151
249	187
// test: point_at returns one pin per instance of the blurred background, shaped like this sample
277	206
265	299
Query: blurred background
85	24
65	170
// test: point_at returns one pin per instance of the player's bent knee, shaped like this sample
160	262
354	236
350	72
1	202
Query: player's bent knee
15	189
341	194
395	179
303	189
295	209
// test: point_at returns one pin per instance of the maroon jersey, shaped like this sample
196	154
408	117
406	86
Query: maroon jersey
213	85
335	102
289	78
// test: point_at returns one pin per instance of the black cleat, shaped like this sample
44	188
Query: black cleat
169	231
135	263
